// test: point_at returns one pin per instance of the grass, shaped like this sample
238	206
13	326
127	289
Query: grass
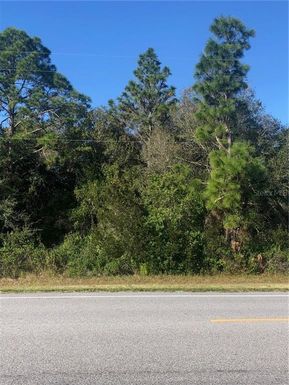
220	282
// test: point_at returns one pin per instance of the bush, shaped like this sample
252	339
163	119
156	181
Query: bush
88	260
60	256
76	256
119	266
144	269
20	252
174	222
277	261
83	256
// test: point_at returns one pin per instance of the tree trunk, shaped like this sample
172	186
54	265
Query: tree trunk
229	140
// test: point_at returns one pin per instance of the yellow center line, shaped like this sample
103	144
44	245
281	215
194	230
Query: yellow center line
248	320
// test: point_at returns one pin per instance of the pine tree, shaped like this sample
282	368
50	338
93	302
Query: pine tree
221	77
40	115
146	100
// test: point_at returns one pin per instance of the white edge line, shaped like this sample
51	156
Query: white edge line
145	296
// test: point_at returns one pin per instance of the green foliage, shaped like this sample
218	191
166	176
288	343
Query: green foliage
120	216
69	251
19	253
236	174
230	178
220	78
277	260
220	74
83	256
146	100
174	221
112	210
40	116
146	184
77	256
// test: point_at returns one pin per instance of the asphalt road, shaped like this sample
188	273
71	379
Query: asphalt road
144	339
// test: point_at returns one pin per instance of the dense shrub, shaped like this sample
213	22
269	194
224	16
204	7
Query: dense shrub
174	222
83	256
20	252
67	252
277	261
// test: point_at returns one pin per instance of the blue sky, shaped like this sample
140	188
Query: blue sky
96	44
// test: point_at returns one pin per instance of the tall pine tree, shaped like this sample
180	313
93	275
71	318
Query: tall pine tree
41	119
146	100
235	172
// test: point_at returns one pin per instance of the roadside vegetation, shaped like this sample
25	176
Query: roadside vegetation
147	185
186	283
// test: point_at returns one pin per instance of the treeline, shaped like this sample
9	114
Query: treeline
149	183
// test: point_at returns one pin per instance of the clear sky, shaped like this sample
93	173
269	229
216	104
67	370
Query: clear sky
96	44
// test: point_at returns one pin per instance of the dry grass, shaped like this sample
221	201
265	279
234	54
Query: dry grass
221	282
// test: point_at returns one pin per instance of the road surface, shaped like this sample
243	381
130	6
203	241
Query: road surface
144	339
